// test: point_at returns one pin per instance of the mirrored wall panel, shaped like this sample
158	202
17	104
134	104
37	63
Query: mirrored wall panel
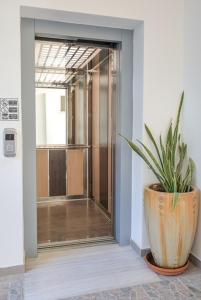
50	116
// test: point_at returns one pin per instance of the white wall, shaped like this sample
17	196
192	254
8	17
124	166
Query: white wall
163	36
192	85
11	221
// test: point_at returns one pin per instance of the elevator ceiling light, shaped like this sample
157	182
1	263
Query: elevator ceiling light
56	62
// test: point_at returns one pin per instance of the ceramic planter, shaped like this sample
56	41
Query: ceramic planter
171	230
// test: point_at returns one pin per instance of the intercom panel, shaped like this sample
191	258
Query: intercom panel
9	142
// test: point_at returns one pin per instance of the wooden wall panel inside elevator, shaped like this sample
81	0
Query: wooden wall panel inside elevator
75	172
42	173
57	172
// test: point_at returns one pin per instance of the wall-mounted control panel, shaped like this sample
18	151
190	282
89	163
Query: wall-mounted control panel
9	142
9	109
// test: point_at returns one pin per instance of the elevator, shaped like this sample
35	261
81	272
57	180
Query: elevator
75	102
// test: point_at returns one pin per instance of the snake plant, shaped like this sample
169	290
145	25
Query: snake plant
169	161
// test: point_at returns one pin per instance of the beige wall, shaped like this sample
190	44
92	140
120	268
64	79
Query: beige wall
163	62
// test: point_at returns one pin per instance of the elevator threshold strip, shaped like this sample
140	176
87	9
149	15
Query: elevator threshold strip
77	243
58	199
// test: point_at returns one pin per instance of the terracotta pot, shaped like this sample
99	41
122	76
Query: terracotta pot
171	230
164	271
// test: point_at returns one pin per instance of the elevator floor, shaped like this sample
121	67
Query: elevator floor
72	220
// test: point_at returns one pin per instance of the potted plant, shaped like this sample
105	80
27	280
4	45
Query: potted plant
171	204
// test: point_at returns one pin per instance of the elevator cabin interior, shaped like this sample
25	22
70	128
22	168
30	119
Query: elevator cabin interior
75	85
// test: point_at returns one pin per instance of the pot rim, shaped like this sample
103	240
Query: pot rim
148	188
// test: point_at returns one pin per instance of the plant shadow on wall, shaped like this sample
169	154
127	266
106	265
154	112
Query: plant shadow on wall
171	205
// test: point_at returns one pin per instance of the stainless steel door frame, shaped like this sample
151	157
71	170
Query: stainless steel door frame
124	114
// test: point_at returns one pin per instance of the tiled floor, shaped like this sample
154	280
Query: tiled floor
180	288
11	287
106	272
75	272
61	221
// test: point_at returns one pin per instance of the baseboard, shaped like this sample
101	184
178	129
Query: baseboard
195	260
12	270
141	252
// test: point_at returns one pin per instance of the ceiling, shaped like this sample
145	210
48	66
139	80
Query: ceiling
56	63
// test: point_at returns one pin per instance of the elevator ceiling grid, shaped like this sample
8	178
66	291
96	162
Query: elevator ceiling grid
56	63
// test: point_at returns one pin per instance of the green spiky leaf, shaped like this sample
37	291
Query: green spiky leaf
169	161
